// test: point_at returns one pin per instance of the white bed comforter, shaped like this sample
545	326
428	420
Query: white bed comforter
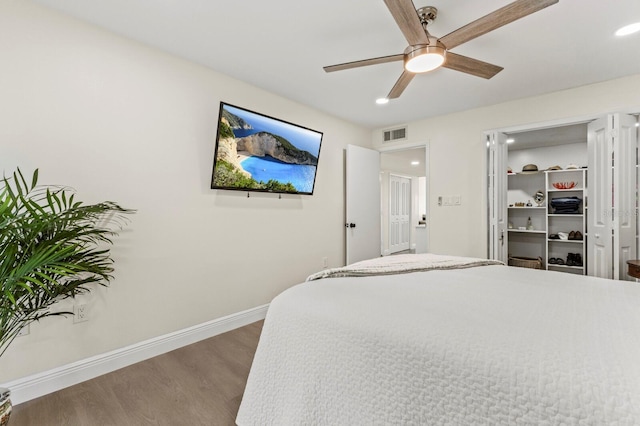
484	345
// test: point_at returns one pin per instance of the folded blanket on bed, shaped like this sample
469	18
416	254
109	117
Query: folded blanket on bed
402	264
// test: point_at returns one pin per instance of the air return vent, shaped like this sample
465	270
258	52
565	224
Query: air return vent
392	135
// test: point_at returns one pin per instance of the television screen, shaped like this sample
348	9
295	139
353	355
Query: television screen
255	152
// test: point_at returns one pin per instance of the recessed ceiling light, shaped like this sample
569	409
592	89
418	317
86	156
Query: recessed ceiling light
382	101
629	29
415	163
511	140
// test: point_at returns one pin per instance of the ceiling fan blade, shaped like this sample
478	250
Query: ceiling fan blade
509	13
471	66
364	63
404	12
401	84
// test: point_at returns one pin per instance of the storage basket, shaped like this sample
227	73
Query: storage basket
525	262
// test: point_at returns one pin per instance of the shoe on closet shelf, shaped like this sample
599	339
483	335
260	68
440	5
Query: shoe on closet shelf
559	261
574	259
554	237
578	235
553	260
572	235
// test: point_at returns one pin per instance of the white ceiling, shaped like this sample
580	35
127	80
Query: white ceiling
282	45
400	161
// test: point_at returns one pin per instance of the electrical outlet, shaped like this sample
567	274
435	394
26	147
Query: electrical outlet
80	313
24	331
325	263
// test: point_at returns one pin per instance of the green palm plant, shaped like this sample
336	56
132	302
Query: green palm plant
51	247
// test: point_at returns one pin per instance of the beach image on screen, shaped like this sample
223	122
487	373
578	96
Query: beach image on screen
256	152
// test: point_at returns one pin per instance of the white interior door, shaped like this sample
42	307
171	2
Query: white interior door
362	204
624	193
600	207
399	213
497	195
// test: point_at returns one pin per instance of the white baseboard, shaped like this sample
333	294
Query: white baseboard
34	386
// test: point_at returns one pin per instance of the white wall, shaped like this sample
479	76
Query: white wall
457	155
120	121
549	156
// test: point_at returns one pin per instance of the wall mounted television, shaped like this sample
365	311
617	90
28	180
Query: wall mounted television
255	152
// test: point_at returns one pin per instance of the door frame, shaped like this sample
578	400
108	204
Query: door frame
486	135
404	147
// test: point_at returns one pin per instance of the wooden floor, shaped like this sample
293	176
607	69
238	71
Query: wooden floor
200	384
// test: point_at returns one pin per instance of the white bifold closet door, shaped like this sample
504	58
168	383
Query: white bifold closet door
611	213
497	195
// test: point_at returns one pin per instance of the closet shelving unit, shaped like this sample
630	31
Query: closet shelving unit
536	242
566	223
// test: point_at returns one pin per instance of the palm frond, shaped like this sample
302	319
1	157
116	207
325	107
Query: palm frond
51	247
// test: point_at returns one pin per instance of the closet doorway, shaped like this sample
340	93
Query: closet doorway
563	161
403	196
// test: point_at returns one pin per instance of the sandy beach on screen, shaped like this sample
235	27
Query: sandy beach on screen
243	155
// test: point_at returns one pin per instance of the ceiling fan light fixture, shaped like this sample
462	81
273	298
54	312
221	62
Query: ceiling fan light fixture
628	30
426	52
419	59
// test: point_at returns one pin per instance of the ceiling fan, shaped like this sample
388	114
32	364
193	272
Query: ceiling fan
426	53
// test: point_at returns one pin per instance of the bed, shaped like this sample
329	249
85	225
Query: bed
428	339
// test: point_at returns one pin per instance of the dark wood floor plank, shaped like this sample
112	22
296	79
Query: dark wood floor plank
200	384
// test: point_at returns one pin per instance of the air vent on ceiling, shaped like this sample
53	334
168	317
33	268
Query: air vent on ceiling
392	135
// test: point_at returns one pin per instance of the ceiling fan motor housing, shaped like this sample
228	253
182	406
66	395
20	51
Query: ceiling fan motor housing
427	14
